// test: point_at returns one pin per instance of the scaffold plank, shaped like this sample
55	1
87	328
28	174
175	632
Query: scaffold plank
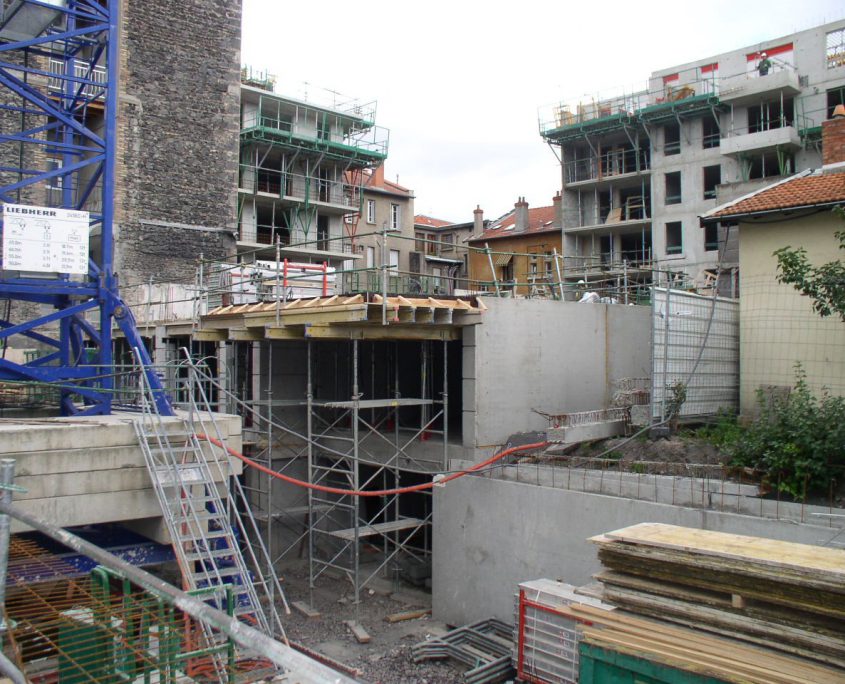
377	528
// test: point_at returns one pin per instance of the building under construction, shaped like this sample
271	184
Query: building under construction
267	411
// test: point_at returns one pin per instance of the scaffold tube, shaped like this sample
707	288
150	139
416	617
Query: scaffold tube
379	492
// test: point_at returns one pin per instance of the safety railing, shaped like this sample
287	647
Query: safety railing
92	83
299	187
614	162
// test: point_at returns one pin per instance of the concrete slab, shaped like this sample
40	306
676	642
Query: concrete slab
81	471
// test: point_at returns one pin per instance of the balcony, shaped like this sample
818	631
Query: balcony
749	87
781	138
295	188
363	142
614	164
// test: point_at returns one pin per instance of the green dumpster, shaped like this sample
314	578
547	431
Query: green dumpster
603	666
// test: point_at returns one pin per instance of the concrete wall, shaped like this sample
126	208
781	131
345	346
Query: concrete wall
178	127
548	355
778	326
490	535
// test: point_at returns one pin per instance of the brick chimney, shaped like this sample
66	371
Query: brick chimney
520	212
833	138
557	203
478	220
377	178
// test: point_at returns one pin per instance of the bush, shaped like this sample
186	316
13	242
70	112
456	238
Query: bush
798	442
722	434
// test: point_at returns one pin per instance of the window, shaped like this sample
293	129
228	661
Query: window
371	257
371	211
672	138
769	115
673	187
711	237
766	165
322	232
674	238
393	264
395	217
447	242
835	48
835	96
419	242
432	245
710	133
712	178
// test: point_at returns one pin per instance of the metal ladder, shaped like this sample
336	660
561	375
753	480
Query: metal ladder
204	524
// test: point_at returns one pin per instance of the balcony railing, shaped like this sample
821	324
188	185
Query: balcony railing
615	162
298	187
367	138
94	82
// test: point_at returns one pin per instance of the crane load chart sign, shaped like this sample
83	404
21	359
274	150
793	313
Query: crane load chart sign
45	239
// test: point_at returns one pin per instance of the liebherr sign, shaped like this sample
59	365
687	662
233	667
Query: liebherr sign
45	239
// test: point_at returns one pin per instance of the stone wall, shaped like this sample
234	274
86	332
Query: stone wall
178	130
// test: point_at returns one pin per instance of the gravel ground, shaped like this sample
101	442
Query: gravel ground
387	658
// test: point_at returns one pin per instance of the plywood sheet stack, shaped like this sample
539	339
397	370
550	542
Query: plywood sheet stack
783	596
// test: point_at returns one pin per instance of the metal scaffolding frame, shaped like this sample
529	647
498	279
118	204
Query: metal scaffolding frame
330	449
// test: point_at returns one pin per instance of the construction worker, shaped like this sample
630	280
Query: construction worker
764	65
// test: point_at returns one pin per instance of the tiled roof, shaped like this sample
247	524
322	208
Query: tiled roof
430	222
805	190
540	220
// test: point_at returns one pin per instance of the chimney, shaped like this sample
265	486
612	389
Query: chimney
833	138
557	203
520	211
377	179
478	220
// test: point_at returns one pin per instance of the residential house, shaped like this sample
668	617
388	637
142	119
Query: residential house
778	326
516	252
387	214
440	254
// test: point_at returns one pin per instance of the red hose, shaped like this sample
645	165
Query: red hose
368	492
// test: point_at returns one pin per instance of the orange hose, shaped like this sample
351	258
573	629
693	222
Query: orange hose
381	492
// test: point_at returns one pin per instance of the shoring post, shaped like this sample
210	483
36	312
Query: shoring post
278	292
271	587
445	405
557	258
355	483
625	278
492	269
7	478
309	400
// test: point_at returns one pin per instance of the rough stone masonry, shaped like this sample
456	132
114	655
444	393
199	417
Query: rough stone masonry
178	130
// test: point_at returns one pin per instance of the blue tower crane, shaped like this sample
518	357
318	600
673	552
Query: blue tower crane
58	122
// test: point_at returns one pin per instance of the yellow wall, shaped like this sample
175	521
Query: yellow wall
777	325
479	264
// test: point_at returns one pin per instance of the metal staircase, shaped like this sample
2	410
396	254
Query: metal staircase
199	498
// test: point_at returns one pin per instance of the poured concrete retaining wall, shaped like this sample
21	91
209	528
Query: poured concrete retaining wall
490	535
554	356
80	471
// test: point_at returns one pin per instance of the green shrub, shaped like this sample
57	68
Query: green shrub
798	441
722	434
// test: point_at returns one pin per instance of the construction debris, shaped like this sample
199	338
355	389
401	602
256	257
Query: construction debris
407	615
787	597
485	646
360	634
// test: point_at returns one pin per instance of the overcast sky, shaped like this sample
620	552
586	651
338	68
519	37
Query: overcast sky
459	83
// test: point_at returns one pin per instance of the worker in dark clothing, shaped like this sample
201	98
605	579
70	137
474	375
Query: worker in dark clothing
764	65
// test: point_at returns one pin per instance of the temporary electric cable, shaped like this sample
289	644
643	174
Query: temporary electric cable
381	492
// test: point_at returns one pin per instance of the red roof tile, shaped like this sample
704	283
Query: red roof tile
803	191
430	222
540	220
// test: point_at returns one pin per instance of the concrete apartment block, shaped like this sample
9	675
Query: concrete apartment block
639	168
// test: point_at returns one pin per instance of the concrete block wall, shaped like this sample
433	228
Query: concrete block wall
490	535
178	138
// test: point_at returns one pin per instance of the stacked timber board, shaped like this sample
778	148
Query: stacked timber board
783	596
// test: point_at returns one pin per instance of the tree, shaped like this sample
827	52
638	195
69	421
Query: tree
825	284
